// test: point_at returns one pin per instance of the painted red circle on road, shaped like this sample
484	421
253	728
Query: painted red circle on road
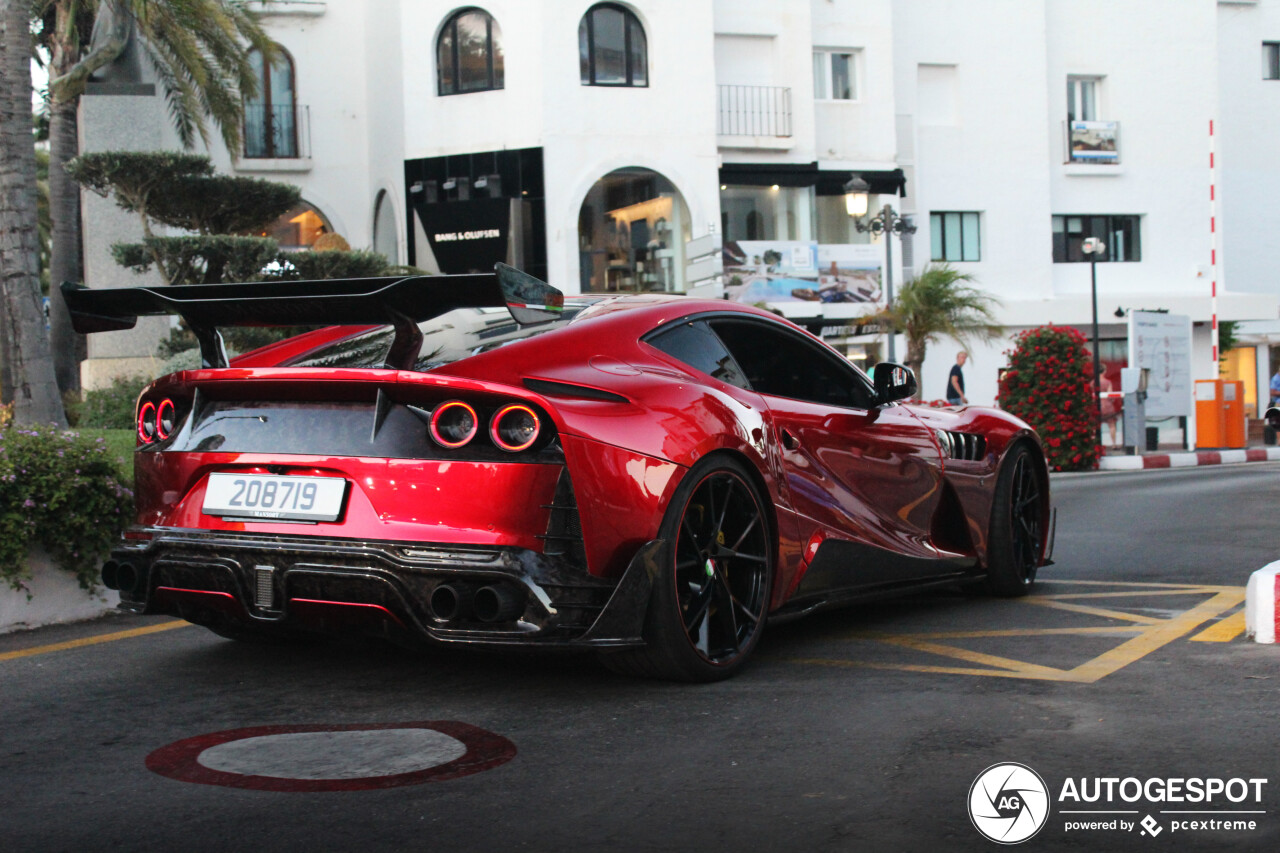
181	760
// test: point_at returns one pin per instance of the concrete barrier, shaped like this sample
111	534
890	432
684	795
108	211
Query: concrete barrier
52	596
1260	614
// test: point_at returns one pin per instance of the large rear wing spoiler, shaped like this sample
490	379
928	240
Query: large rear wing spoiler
399	302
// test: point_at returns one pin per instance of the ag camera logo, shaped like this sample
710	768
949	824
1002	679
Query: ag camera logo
1008	803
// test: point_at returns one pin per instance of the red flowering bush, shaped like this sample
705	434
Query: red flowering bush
1049	385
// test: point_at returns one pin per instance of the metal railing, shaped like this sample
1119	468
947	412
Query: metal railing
754	111
277	131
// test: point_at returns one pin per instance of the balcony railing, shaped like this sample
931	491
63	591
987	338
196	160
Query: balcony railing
754	111
277	131
1096	142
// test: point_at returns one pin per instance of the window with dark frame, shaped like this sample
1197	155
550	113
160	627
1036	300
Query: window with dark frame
612	50
1271	60
271	119
955	236
469	54
1120	233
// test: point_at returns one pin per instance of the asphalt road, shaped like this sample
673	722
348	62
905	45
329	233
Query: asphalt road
858	730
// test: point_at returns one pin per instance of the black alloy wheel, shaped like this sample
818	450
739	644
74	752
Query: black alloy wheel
709	604
1017	536
722	561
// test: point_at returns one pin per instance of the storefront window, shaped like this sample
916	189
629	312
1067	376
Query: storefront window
834	224
766	213
632	228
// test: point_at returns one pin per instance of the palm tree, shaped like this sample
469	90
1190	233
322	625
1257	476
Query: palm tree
24	344
936	304
196	49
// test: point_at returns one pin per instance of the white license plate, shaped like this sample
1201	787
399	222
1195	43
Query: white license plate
272	497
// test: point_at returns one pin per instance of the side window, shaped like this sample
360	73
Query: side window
780	362
694	344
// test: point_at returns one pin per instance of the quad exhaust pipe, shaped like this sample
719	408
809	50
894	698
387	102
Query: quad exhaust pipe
119	576
498	603
454	602
451	602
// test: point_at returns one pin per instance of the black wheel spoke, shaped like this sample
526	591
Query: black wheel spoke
750	526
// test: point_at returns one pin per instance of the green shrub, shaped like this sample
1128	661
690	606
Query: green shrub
201	259
1049	385
112	407
313	266
61	491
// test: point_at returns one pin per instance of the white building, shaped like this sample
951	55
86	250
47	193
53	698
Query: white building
599	144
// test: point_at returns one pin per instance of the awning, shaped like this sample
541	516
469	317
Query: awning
826	182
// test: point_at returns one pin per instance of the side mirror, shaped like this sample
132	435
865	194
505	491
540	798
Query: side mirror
893	382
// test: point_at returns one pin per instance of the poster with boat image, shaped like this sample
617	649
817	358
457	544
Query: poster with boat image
768	271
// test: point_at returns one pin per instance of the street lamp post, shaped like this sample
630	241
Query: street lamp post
1093	247
886	222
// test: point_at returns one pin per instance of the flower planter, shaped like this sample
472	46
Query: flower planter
55	597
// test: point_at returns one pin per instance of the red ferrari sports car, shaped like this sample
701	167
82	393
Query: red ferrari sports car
472	459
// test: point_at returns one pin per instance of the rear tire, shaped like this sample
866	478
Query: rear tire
1015	542
709	604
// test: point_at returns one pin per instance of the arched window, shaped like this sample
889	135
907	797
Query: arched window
298	228
271	118
611	47
469	53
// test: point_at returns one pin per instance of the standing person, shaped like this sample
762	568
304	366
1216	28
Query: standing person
1275	388
955	382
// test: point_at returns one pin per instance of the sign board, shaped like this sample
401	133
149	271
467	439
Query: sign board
1094	141
1162	344
800	271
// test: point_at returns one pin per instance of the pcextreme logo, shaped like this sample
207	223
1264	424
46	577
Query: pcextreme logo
1008	803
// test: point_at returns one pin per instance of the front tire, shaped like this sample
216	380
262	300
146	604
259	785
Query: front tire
1015	542
709	603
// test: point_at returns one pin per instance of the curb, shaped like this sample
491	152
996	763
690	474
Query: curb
1260	615
1188	460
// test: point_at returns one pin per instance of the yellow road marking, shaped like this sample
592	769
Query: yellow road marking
1158	636
1150	634
1223	631
1008	632
1145	593
1093	611
1029	670
94	640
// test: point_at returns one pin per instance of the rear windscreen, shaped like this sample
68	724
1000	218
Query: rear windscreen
448	338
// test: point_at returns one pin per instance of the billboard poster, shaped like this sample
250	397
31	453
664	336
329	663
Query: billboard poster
800	271
1094	142
1162	344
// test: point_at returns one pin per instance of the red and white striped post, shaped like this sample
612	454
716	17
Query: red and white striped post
1213	248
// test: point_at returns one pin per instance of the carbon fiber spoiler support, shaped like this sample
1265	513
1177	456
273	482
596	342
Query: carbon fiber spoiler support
399	302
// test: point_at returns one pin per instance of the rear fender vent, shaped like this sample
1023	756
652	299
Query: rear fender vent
571	390
564	528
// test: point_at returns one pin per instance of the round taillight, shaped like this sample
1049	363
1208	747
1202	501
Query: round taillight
514	428
453	424
165	419
147	422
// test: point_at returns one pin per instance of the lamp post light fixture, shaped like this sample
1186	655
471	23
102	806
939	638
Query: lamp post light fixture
886	222
1093	247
